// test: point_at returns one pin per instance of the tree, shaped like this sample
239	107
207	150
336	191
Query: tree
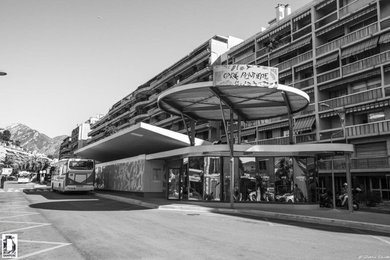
6	136
17	143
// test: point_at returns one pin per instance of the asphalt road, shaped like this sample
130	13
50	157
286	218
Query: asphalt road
83	226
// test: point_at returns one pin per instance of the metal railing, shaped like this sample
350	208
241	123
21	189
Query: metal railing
375	128
329	75
353	7
355	98
356	163
366	63
347	39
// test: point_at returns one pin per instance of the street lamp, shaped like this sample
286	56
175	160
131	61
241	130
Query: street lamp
341	114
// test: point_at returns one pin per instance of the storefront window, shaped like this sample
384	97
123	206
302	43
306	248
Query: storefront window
212	178
283	168
174	183
195	178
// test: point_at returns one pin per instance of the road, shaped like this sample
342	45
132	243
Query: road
83	226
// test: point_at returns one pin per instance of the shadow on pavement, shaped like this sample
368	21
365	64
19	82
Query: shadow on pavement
50	195
91	205
315	226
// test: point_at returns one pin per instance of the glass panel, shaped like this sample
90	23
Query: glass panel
196	178
173	183
212	179
284	179
226	178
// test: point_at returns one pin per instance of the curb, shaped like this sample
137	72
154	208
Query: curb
128	200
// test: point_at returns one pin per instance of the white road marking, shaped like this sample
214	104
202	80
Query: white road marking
16	222
44	250
381	239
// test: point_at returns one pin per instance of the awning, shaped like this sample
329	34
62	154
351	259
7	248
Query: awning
360	47
273	126
247	132
303	67
299	17
304	124
384	38
285	74
322	5
291	47
328	59
384	103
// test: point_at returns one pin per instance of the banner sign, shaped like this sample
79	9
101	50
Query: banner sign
245	75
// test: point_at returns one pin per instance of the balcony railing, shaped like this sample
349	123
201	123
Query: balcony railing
330	75
347	39
304	83
261	52
305	138
180	67
294	61
353	7
246	59
326	20
369	62
356	163
194	76
355	98
375	128
277	140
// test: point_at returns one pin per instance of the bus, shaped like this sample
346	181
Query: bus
73	175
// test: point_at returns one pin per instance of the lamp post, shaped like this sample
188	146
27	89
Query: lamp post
341	115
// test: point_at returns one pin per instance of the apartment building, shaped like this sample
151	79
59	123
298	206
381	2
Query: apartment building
338	52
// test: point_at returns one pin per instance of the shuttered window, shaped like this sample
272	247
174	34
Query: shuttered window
378	149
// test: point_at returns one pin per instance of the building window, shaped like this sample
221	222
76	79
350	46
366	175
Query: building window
376	116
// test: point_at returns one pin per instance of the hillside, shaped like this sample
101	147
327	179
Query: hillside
31	139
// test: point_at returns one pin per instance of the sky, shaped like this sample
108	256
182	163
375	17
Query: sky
69	60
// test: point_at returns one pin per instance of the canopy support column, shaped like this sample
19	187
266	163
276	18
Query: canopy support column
190	135
228	139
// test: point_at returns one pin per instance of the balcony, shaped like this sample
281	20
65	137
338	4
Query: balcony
373	163
354	6
165	121
328	76
276	140
369	129
351	99
141	103
367	63
304	83
194	76
328	19
305	138
180	67
249	58
294	61
347	39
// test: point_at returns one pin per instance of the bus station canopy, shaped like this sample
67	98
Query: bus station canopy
203	100
139	139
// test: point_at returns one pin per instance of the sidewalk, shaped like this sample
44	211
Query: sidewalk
362	219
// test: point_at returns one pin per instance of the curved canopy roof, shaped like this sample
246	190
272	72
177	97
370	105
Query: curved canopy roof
202	101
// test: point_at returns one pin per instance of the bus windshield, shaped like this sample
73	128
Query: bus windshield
81	165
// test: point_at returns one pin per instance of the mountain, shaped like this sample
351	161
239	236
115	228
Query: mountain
33	140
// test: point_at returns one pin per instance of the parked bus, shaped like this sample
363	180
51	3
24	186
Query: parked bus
73	175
